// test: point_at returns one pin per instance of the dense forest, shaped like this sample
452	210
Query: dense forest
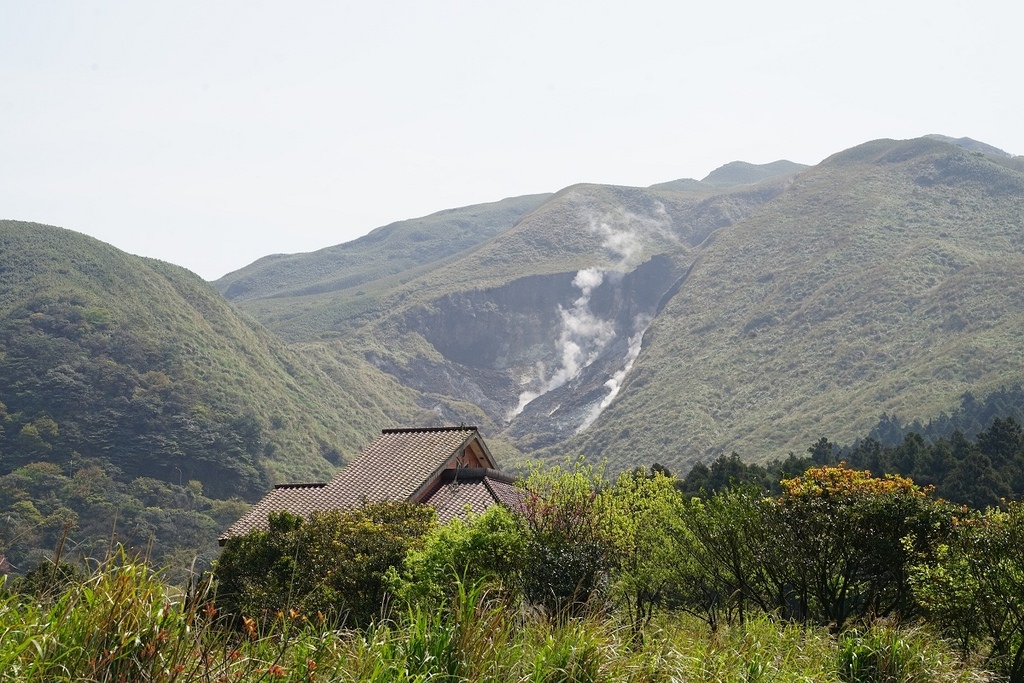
973	456
74	377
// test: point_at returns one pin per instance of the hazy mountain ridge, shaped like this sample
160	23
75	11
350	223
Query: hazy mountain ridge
299	295
853	287
669	324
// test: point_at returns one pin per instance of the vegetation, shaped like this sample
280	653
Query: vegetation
977	473
975	589
837	552
732	586
120	624
136	404
334	565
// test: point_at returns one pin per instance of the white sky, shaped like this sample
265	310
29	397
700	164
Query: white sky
211	133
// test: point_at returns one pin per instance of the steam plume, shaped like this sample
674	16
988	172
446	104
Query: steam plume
580	341
615	383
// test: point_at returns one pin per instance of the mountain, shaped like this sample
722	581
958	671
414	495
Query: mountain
882	280
755	310
340	281
128	384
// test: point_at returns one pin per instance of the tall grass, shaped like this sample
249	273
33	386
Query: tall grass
123	623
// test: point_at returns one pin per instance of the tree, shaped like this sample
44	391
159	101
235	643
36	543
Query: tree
822	452
334	564
730	563
638	516
853	539
975	590
567	550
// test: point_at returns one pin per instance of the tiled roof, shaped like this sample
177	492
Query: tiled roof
299	499
401	464
507	493
396	465
473	490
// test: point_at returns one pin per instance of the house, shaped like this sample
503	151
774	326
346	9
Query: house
448	468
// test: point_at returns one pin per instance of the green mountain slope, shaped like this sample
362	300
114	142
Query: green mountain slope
885	279
299	295
479	332
680	321
134	370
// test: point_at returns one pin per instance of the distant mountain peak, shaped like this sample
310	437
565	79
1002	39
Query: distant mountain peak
734	174
970	144
745	173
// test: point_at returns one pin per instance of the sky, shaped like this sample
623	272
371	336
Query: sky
212	133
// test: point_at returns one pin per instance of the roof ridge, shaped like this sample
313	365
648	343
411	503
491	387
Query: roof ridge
415	430
299	484
477	473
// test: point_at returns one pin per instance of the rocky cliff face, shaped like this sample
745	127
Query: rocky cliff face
541	355
753	311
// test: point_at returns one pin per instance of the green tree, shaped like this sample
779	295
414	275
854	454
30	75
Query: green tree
639	515
975	590
853	539
730	565
567	550
335	564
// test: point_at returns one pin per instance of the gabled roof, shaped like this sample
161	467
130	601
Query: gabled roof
298	499
400	465
475	489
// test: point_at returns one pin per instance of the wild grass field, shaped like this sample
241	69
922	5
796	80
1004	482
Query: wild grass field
124	623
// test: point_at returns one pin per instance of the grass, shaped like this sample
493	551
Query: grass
124	623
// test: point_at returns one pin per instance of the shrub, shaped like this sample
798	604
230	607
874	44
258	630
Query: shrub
333	565
484	550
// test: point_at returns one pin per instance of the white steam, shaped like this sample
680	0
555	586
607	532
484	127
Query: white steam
583	336
615	383
580	341
620	240
622	233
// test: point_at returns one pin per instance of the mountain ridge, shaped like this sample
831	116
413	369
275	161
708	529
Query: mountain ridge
883	191
668	324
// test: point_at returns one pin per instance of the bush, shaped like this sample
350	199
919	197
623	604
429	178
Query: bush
333	566
882	654
484	550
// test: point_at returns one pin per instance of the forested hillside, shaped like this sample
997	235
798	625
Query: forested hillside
973	456
750	311
136	403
